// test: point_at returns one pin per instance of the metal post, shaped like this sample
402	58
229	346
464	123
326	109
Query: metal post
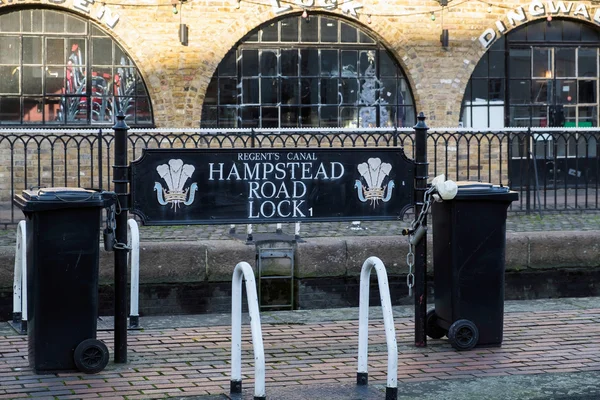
121	183
421	176
527	174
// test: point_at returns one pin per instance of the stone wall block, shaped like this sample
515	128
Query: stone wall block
391	250
321	257
163	262
221	256
517	252
564	249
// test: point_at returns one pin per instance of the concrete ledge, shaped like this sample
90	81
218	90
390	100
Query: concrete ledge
214	260
563	249
171	262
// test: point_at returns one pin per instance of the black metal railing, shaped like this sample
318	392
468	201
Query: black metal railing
552	169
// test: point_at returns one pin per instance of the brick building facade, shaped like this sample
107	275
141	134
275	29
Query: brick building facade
177	76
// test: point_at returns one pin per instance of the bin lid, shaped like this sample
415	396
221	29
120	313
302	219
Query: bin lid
484	191
59	198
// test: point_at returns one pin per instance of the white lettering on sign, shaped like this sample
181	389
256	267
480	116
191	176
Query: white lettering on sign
559	7
103	14
328	4
501	27
278	9
582	10
277	183
348	7
487	37
516	16
283	209
110	18
537	8
270	171
83	5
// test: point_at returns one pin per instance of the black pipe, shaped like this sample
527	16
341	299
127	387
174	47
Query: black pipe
121	181
420	281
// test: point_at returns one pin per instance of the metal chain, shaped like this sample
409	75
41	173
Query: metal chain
112	225
426	206
410	260
410	257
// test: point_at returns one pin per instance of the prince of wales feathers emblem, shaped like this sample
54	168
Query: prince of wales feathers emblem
175	175
373	172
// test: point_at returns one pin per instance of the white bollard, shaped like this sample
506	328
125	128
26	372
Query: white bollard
244	270
20	279
362	376
133	234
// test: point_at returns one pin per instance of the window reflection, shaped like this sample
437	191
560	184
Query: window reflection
551	81
46	77
336	76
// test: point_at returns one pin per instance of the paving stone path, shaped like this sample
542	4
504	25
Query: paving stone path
318	350
516	222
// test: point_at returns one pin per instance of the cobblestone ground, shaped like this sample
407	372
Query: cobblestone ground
320	348
514	223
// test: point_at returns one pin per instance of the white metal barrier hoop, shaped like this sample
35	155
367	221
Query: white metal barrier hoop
362	375
244	270
20	281
133	234
20	316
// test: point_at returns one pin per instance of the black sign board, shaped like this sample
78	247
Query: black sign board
226	186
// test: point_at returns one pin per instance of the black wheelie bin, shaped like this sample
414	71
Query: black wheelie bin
63	238
469	245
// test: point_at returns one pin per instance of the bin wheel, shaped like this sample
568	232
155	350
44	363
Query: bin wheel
91	356
463	334
432	329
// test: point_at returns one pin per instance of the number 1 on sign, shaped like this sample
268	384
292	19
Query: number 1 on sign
310	211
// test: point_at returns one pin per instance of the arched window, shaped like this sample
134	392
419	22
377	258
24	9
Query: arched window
315	72
59	69
540	74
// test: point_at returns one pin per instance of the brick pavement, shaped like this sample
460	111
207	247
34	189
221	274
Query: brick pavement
193	361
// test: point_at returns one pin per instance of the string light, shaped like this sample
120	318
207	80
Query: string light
448	4
369	19
304	14
237	6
